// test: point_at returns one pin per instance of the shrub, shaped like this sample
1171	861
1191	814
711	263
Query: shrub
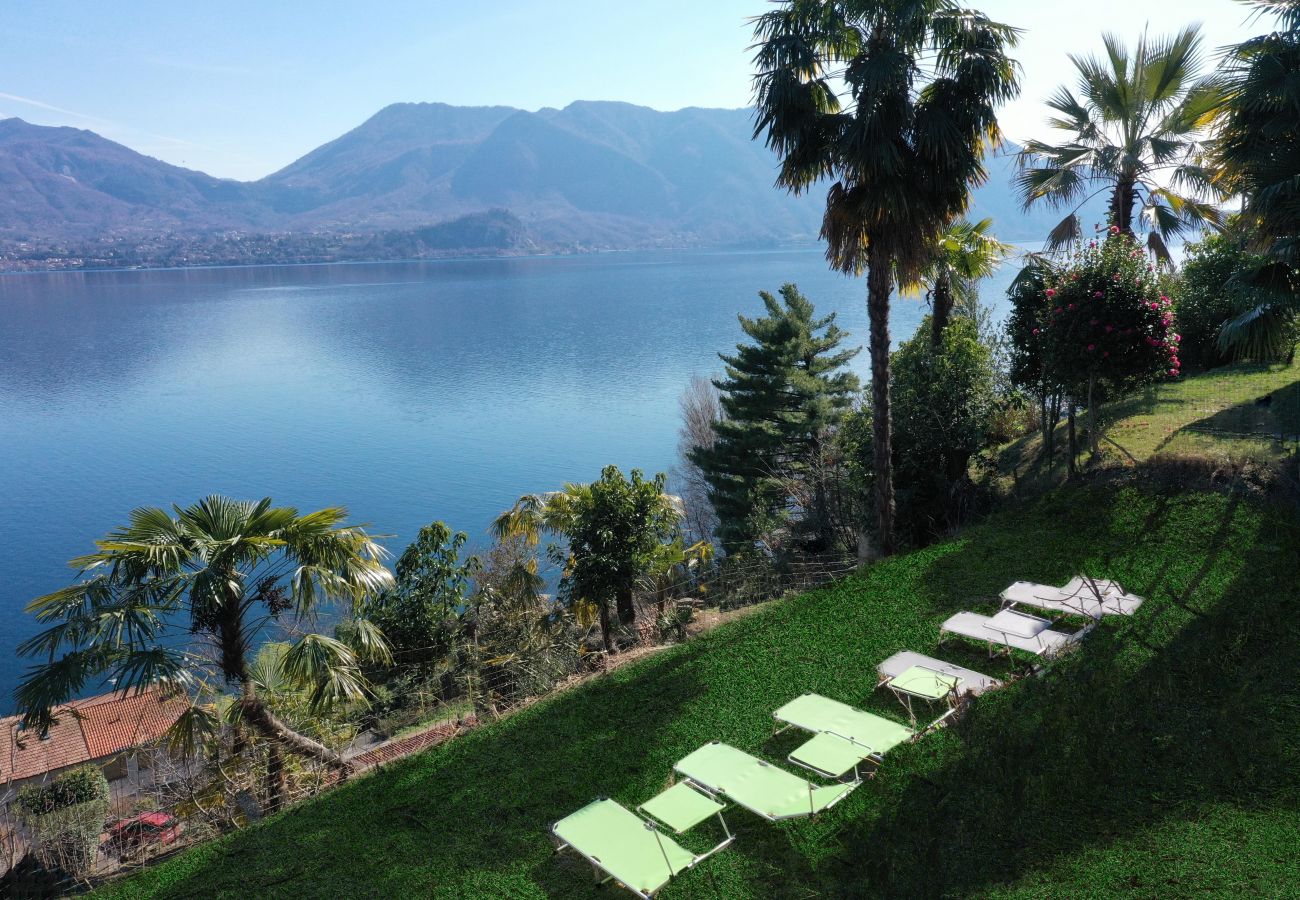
80	785
65	819
1108	324
944	405
1214	289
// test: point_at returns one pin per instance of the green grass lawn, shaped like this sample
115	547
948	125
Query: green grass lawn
1216	413
1159	760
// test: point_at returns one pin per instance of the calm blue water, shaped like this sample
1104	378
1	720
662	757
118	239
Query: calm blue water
406	391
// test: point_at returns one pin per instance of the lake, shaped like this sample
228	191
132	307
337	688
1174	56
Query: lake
407	392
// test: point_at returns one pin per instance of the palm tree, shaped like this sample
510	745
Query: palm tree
167	587
894	100
612	528
1257	151
963	256
1135	130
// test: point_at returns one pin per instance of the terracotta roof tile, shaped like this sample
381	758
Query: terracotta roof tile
86	729
113	723
24	754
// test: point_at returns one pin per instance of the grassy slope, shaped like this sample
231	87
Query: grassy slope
1159	760
1211	413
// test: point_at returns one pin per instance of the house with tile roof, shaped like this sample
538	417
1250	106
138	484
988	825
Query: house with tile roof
108	730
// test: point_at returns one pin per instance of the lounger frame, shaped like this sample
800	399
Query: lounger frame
598	868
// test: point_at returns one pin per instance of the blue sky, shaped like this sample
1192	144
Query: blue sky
240	89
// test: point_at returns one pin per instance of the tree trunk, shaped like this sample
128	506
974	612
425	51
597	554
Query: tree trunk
1043	427
274	778
1073	449
1122	201
605	627
261	718
1093	438
942	299
626	608
879	285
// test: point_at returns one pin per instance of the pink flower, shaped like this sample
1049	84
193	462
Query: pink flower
1114	229
1035	331
1051	292
1177	338
1059	310
1092	347
1072	306
1164	299
1173	373
1098	295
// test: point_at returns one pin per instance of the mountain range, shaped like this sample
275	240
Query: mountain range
594	175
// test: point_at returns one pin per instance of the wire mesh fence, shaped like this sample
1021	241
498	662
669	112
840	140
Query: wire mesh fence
170	802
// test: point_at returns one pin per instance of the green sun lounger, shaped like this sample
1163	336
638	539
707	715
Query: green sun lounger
843	737
622	845
757	785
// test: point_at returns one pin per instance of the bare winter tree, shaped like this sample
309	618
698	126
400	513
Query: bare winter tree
701	408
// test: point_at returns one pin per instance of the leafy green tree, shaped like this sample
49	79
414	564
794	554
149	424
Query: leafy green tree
1258	155
893	101
1135	131
1215	289
782	393
612	528
1109	325
943	408
1028	365
169	590
966	254
418	613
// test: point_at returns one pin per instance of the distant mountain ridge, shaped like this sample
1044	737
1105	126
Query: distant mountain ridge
593	175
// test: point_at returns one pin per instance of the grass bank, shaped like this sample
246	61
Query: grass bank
1249	411
1159	760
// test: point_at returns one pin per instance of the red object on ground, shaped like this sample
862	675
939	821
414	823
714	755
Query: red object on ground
144	829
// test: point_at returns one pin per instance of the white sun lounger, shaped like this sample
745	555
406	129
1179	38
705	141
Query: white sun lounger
1115	601
912	676
1077	598
971	682
1011	629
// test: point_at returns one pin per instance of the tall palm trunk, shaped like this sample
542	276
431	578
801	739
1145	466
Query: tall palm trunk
275	786
942	300
1122	203
879	285
257	714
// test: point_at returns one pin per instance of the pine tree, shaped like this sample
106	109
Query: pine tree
782	394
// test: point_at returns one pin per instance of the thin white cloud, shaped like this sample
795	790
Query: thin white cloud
52	108
104	125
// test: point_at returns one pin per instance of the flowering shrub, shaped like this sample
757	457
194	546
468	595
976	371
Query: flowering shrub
1107	320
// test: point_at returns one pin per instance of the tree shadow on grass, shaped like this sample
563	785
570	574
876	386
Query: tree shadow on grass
467	806
1115	738
1273	415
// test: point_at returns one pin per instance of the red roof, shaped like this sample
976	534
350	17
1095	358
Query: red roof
86	730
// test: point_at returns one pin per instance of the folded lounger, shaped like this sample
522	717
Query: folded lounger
1115	601
1012	629
756	784
843	737
625	847
910	675
1078	598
